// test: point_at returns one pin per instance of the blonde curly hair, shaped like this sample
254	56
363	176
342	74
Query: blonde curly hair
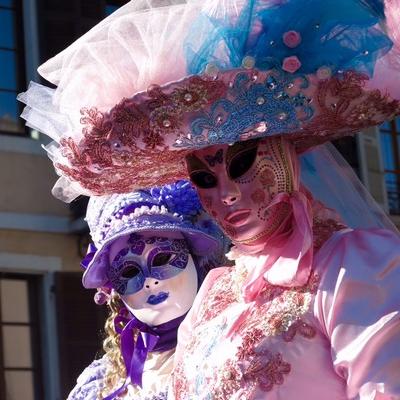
116	371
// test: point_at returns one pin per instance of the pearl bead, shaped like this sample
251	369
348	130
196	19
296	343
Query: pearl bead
248	62
282	116
188	97
260	101
211	70
167	123
262	127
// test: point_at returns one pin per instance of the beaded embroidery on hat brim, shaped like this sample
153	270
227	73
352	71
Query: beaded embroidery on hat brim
142	141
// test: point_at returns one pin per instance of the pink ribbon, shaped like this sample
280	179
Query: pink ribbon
290	253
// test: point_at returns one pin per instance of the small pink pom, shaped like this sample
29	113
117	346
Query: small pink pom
292	39
291	64
102	296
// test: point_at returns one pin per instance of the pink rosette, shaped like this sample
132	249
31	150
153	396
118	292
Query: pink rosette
292	39
291	64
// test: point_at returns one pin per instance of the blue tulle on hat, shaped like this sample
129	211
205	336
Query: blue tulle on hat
339	34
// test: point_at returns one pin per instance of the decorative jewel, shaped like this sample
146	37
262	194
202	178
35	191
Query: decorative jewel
167	123
366	52
248	62
324	73
333	105
317	26
282	116
290	85
281	95
211	70
271	83
261	127
227	375
260	100
188	97
254	77
272	42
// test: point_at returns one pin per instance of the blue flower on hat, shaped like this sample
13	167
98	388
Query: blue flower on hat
179	197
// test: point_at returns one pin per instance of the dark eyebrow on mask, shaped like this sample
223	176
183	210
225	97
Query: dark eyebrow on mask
238	147
195	164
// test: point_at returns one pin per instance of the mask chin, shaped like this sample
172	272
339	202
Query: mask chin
177	303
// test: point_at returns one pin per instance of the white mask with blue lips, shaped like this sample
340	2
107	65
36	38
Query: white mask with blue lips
155	275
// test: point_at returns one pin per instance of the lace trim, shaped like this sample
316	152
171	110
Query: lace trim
143	140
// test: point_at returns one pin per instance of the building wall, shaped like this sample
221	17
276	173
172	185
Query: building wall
32	221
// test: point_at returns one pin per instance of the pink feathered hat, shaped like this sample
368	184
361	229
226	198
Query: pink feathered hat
157	80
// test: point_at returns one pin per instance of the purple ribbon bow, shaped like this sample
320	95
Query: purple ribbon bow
91	251
158	338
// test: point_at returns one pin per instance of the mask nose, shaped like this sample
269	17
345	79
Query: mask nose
229	200
229	192
151	283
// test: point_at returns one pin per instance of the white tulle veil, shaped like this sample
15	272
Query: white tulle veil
331	180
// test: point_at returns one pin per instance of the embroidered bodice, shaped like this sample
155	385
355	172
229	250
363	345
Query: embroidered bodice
337	337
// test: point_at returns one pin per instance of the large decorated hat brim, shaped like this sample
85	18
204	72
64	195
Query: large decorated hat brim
143	140
200	243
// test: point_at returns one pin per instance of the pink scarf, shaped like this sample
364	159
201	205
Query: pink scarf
290	259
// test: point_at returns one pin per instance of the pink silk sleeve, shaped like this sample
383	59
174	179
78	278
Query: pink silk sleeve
358	305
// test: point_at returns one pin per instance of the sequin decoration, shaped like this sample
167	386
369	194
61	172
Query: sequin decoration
247	104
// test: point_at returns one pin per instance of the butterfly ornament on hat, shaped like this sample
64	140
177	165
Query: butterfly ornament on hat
240	89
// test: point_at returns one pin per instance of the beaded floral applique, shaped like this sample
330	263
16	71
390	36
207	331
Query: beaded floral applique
106	159
254	366
219	298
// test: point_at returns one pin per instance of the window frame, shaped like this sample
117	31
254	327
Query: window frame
33	283
394	134
19	52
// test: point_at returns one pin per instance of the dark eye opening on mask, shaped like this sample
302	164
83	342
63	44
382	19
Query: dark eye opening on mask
241	162
203	179
161	259
130	272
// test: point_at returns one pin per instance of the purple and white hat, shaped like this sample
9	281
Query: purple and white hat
170	208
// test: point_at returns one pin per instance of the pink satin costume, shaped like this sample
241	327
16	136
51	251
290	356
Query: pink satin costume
327	327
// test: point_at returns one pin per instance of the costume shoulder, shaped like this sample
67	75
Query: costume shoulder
358	306
90	381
